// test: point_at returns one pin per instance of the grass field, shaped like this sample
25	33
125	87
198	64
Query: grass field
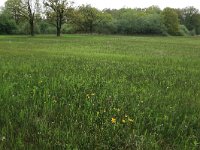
99	92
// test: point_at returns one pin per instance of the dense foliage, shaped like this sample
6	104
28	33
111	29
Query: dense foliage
60	17
7	26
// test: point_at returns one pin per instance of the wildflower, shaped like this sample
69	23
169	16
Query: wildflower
117	109
93	94
123	121
166	117
130	120
3	138
113	120
88	96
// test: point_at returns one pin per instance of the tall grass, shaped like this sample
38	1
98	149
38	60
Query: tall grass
99	92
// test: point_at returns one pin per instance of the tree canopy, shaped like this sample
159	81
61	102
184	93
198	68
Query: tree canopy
59	16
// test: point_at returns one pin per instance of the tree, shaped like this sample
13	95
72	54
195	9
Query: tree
86	18
56	11
31	8
187	15
195	19
170	18
106	25
7	25
26	9
153	10
13	8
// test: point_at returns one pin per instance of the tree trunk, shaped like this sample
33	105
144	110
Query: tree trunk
91	28
58	28
58	31
59	24
31	27
31	18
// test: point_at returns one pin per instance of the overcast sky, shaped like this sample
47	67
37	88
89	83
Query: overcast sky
135	3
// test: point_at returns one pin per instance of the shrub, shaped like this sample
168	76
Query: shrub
183	31
7	26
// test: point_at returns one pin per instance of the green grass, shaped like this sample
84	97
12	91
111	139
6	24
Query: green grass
61	93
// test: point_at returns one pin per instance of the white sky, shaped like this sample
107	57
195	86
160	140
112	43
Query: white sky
135	3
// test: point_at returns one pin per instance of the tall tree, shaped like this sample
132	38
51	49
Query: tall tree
86	18
31	8
26	9
190	18
196	23
13	8
171	21
56	11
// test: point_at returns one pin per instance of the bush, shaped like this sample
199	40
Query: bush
106	27
140	23
183	31
153	24
7	26
68	29
46	28
197	30
43	27
24	28
193	32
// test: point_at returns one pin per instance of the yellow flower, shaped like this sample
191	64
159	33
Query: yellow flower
130	120
123	121
93	94
113	120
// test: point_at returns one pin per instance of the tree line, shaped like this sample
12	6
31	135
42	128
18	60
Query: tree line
59	16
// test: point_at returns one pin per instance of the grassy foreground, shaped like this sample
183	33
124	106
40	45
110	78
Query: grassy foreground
99	92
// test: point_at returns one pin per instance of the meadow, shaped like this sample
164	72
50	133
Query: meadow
99	92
